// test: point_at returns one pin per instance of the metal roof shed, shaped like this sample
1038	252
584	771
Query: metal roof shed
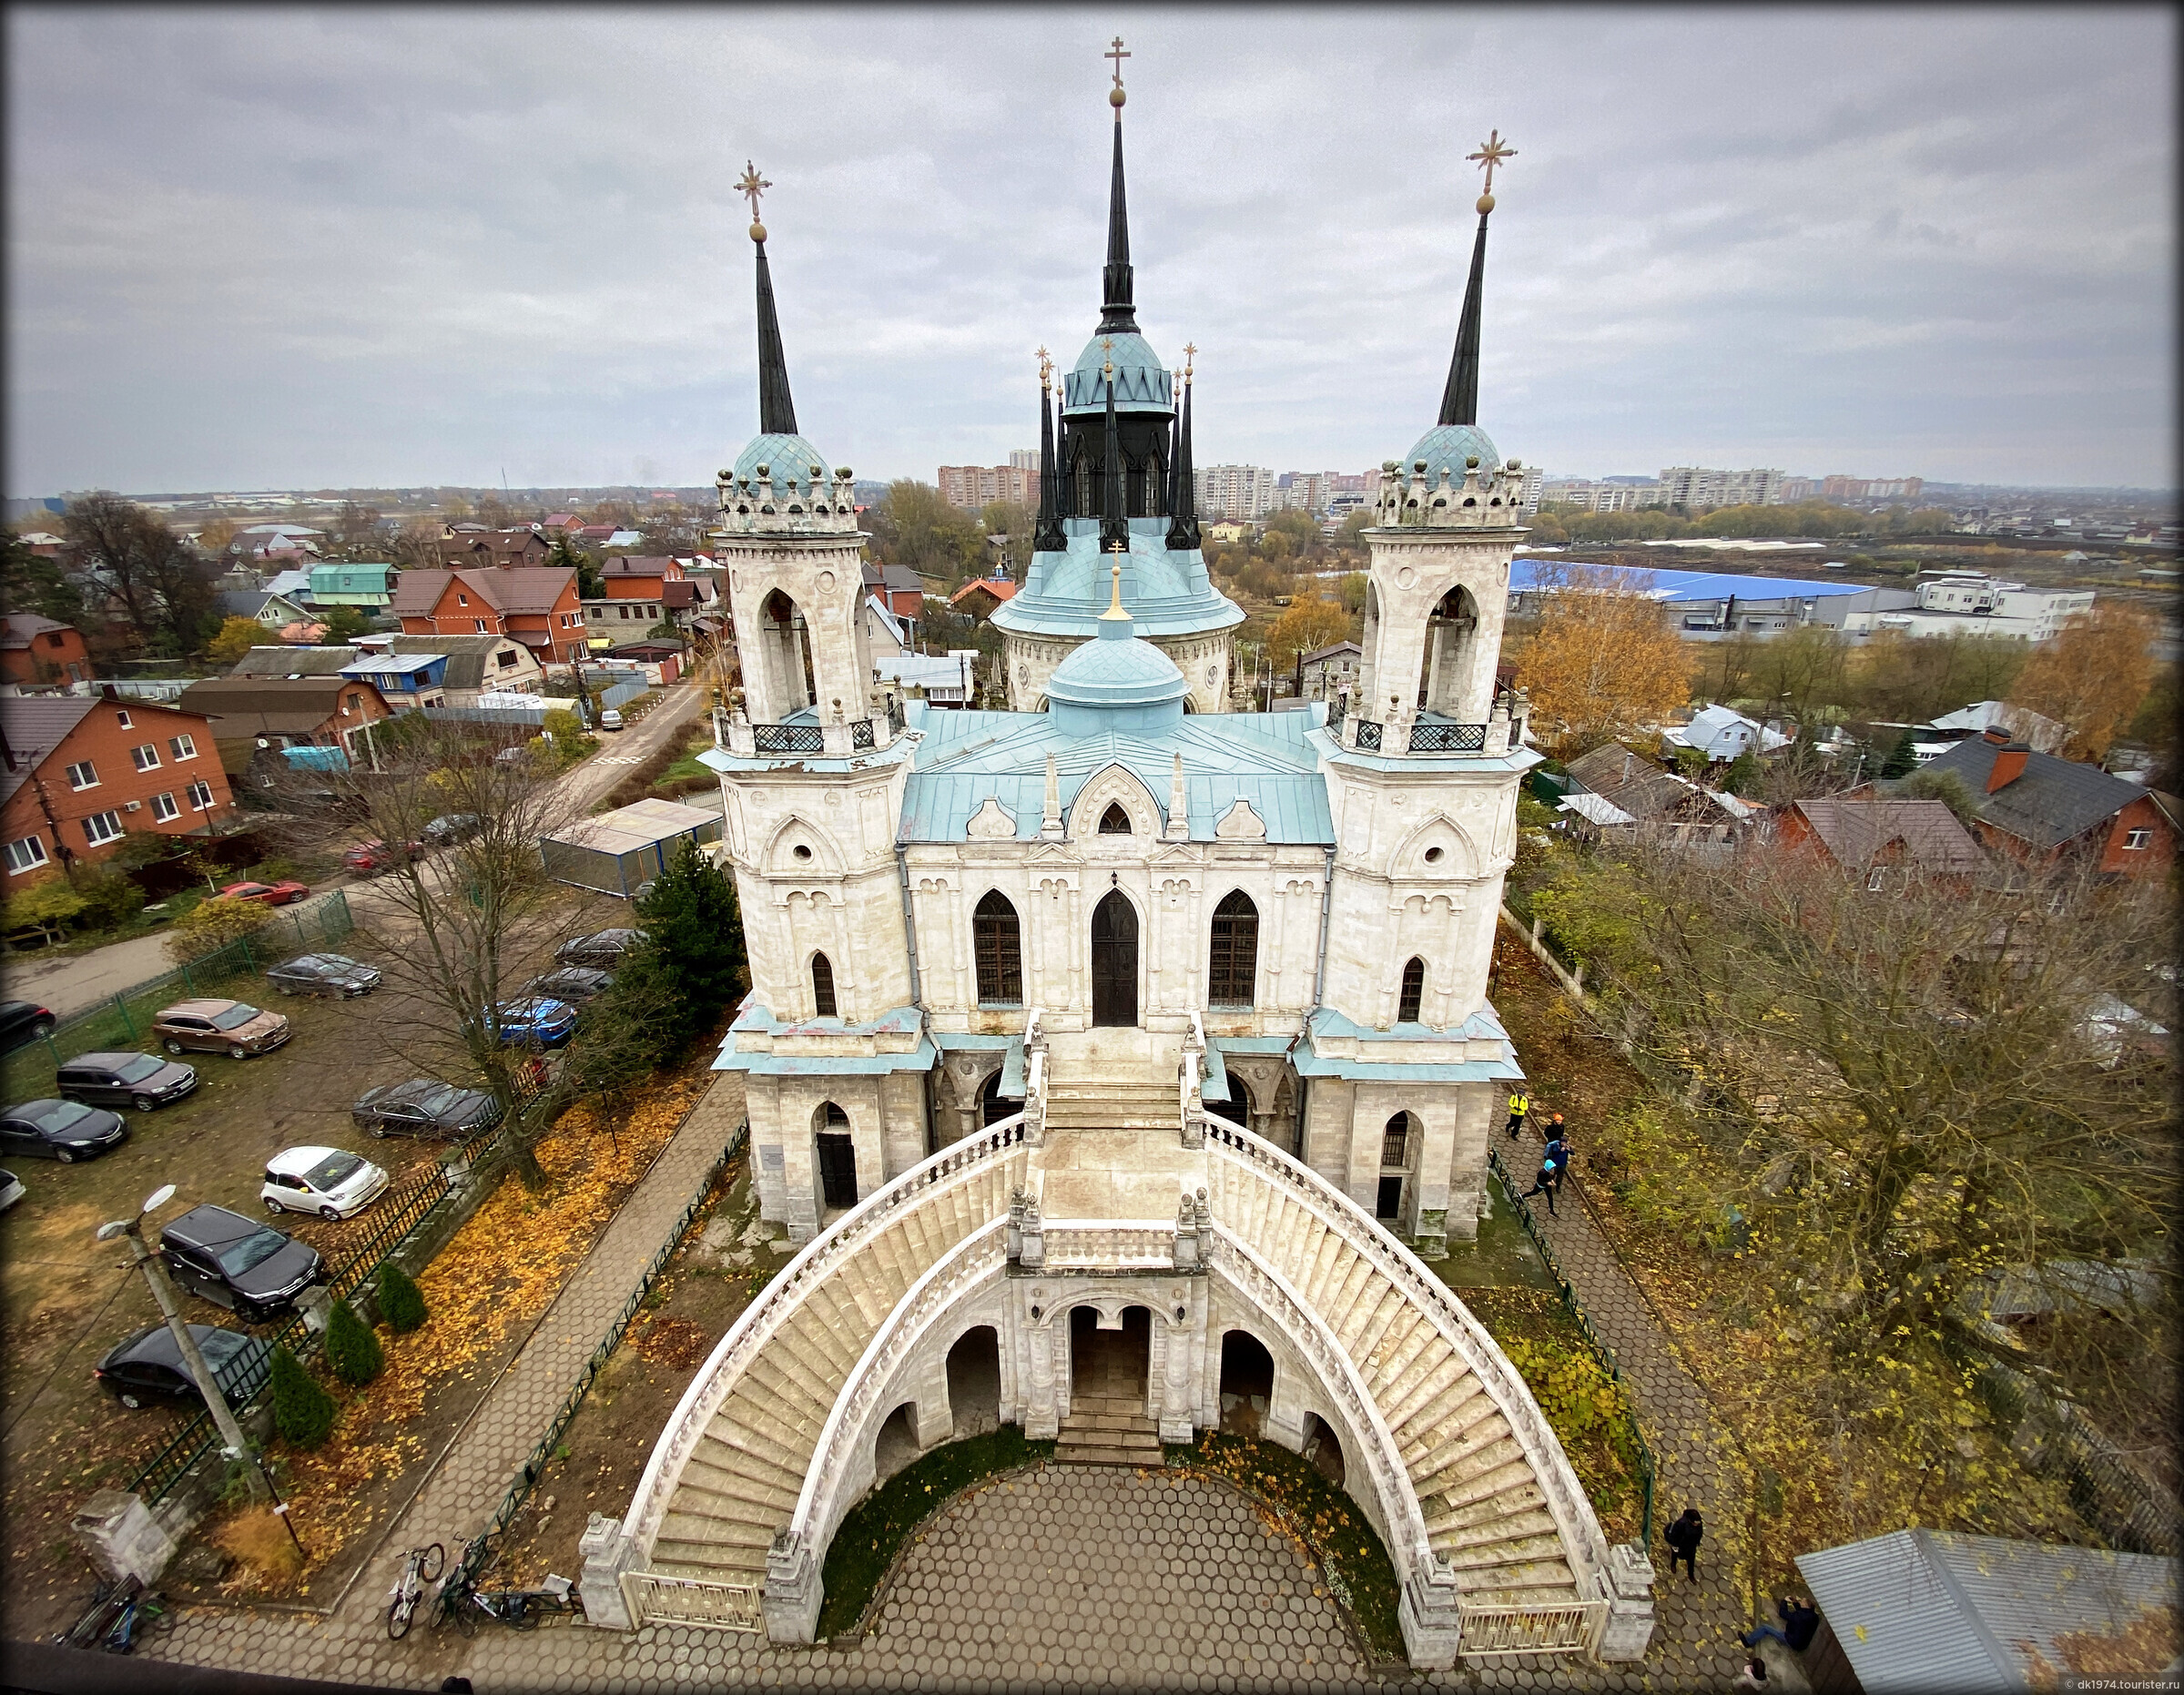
619	852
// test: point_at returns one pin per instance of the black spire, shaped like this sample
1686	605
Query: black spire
1113	526
1118	315
1459	400
1046	536
776	411
1182	527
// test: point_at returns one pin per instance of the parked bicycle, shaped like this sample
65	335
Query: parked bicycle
420	1567
462	1602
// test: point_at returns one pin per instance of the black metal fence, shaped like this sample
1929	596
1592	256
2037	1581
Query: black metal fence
1447	738
1601	1351
789	738
861	735
1368	735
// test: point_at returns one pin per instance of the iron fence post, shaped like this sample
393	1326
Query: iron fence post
128	1023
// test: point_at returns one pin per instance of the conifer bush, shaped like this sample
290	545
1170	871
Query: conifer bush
302	1410
353	1352
400	1301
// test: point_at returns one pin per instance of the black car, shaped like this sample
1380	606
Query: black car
454	826
150	1365
573	983
332	975
424	1107
59	1130
22	1022
602	948
238	1262
143	1080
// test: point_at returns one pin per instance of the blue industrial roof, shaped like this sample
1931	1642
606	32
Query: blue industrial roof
1682	585
1167	593
1263	759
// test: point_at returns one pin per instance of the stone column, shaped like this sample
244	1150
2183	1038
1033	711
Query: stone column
121	1536
1630	1624
608	1553
1042	1416
1432	1630
793	1590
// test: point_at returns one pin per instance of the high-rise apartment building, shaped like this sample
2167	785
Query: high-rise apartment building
1795	491
1244	492
1024	458
970	487
1696	487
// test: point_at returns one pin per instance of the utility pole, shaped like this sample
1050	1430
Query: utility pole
163	1292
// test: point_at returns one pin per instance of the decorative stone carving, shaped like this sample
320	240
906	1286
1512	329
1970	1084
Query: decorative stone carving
1241	824
991	822
606	1554
792	1589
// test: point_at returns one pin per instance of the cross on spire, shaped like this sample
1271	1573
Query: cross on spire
1118	56
1491	152
1189	352
751	185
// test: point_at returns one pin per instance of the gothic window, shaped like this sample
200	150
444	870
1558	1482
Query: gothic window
831	1117
1232	963
997	946
1395	1144
1115	821
1414	992
822	984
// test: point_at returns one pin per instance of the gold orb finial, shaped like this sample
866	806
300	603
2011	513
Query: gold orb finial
1116	97
1486	204
1115	609
757	230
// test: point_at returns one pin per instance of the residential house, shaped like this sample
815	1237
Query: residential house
477	665
945	680
1326	671
504	549
661	658
595	535
292	662
2041	809
567	521
275	540
535	605
644	591
41	653
885	633
980	595
901	589
83	769
2041	734
368	587
1886	840
275	612
1721	734
1227	530
1616	788
250	716
406	681
43	543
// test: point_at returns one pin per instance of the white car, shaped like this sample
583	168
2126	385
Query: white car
11	1190
610	719
330	1181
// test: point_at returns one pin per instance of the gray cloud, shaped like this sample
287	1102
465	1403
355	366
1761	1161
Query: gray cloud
285	248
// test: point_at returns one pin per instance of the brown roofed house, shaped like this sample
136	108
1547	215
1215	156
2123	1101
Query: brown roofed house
1886	841
537	605
261	714
501	549
37	653
2041	809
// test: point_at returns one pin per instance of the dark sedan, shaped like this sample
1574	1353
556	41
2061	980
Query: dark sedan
329	975
605	948
143	1080
573	983
149	1365
60	1130
424	1107
22	1022
238	1262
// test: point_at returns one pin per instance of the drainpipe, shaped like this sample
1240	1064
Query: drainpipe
909	923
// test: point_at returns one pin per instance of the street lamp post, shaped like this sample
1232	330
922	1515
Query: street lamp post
163	1292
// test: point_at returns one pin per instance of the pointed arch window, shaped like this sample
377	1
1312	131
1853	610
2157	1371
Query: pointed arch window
1233	956
1115	821
997	949
822	985
1414	992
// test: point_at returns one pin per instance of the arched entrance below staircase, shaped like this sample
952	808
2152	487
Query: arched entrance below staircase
1247	1383
1323	1447
1109	1364
1114	961
974	1382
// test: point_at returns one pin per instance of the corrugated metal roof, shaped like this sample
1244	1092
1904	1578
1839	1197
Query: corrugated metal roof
1918	1611
1594	808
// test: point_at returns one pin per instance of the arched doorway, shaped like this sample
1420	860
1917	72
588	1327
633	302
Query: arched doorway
994	1105
1237	1108
837	1156
1399	1140
974	1382
1108	1368
1247	1383
895	1445
1114	961
1323	1449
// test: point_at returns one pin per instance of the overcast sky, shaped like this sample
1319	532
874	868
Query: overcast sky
360	247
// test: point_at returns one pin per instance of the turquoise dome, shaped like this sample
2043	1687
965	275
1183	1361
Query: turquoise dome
1451	445
1141	384
1116	682
789	456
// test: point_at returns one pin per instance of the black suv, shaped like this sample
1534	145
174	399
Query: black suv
238	1262
22	1022
424	1107
150	1364
143	1080
605	948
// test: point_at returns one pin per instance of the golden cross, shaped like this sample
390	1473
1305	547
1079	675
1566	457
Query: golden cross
1046	369
751	186
1189	352
1118	56
1491	152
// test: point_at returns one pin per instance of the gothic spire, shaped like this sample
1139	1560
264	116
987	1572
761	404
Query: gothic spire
1114	527
1065	482
1118	315
776	410
1046	534
1182	527
1459	400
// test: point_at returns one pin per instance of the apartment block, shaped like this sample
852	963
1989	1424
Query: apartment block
970	487
1244	492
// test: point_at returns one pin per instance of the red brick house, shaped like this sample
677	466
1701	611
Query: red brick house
536	606
2041	809
1881	839
38	653
81	771
462	549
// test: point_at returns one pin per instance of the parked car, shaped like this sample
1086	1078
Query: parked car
573	983
531	1021
273	894
424	1107
330	1181
454	826
238	1262
143	1080
149	1365
22	1022
602	948
234	1028
11	1190
330	975
611	720
60	1130
370	858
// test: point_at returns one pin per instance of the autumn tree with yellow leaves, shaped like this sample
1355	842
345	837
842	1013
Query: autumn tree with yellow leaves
1604	659
2092	676
1309	623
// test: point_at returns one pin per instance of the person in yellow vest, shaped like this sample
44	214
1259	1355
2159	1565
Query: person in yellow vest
1519	1105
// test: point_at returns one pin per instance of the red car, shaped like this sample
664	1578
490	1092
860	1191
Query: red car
272	894
370	858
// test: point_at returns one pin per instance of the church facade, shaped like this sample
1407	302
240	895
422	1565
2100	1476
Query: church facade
1121	1022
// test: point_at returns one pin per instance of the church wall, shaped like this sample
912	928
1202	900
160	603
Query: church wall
1410	571
824	576
785	1114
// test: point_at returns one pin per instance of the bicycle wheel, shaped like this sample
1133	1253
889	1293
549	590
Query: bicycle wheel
466	1615
520	1616
435	1560
399	1614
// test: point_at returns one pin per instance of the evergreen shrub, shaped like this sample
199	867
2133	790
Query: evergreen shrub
401	1302
302	1410
353	1352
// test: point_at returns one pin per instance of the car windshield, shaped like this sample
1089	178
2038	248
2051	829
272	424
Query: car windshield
333	1171
252	1250
235	1017
143	1066
63	1115
438	1099
219	1346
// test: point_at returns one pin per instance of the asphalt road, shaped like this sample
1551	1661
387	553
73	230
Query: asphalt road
69	984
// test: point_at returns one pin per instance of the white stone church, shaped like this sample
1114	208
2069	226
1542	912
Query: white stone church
1119	1060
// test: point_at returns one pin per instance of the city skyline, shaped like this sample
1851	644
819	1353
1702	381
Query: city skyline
1847	258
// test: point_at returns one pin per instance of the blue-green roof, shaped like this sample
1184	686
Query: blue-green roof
1452	445
1141	384
1167	593
787	455
1126	672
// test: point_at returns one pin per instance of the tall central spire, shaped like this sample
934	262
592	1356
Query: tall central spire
1118	314
776	410
1459	400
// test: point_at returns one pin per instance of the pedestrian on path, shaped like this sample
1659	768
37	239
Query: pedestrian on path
1519	1105
1801	1624
1549	1179
1552	1129
1754	1674
1683	1536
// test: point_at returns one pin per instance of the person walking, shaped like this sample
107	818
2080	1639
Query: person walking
1683	1538
1519	1105
1549	1179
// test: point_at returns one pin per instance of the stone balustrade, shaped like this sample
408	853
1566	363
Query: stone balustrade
1488	500
777	500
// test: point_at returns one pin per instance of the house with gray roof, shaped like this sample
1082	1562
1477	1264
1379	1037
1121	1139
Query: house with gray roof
2041	809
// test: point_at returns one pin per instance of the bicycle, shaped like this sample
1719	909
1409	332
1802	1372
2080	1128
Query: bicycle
420	1567
137	1614
462	1602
